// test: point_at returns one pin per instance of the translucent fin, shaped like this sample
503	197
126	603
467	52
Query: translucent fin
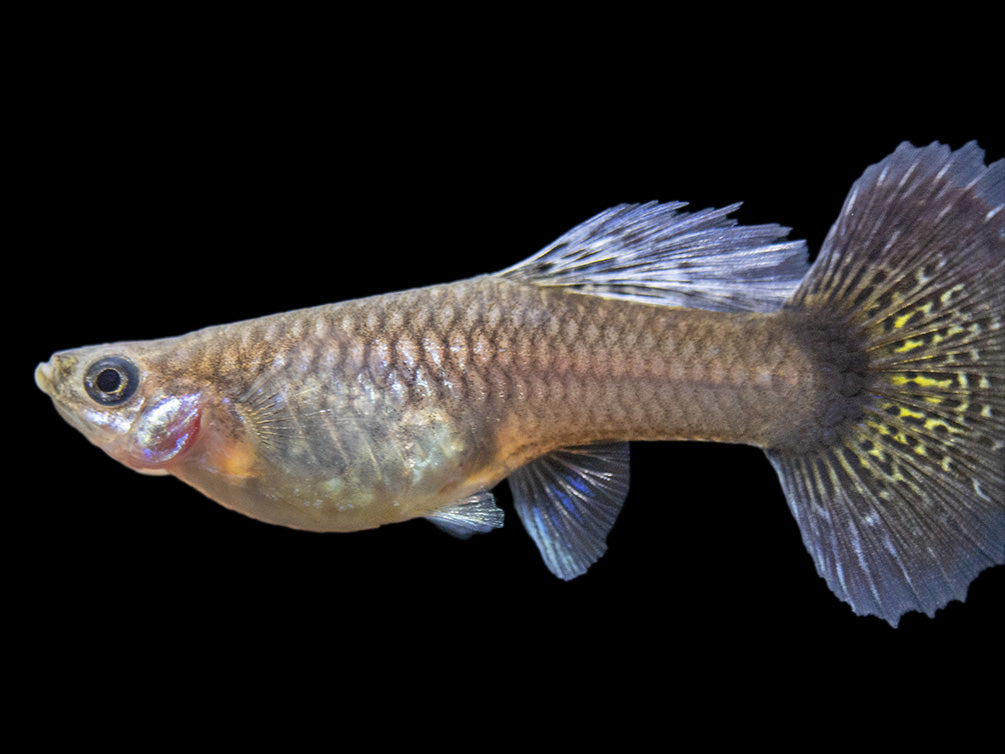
477	514
568	501
652	253
905	509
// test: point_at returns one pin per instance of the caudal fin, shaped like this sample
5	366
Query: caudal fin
907	505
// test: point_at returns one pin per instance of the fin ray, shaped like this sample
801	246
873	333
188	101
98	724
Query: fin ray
653	254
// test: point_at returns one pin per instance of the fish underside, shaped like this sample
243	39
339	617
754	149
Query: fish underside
874	381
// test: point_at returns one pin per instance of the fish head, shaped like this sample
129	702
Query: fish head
114	397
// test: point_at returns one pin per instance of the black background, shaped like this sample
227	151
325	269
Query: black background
187	188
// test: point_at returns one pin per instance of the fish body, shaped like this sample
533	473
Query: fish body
873	382
362	413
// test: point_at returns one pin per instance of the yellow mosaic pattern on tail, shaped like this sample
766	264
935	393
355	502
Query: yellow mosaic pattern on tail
907	505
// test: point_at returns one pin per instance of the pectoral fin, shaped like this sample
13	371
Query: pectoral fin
568	501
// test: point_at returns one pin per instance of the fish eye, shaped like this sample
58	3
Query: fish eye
112	380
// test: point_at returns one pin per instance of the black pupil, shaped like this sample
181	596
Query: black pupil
108	380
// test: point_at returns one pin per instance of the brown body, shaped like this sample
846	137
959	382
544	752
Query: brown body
416	398
537	368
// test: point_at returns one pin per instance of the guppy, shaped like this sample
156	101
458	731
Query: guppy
873	380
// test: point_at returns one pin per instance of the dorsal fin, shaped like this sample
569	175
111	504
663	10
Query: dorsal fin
654	254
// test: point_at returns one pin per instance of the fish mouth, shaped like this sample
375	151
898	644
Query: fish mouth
43	378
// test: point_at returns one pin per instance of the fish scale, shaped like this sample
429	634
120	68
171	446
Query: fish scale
586	381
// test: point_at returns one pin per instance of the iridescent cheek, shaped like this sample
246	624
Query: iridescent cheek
166	430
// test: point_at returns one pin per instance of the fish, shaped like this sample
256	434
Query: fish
873	380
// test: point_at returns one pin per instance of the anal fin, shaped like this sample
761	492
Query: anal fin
568	501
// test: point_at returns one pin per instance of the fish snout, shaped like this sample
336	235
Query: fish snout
54	376
43	377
